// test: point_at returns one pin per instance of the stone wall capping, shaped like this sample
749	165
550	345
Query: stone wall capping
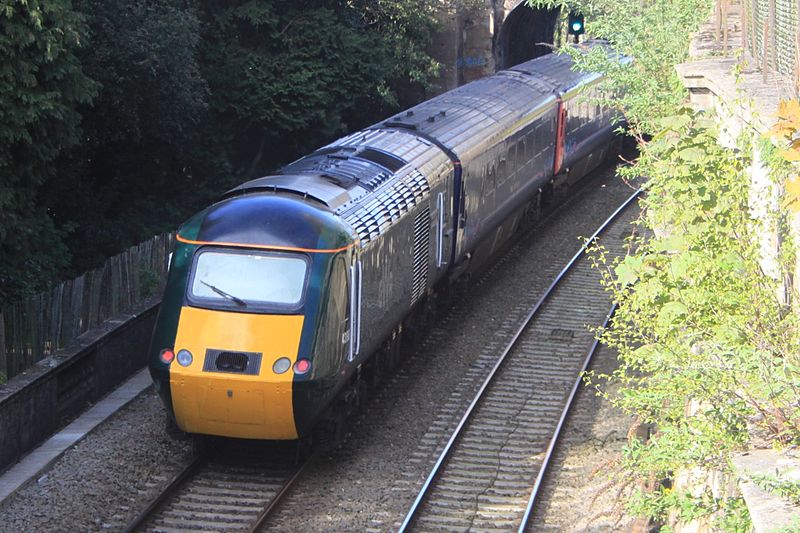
768	511
721	72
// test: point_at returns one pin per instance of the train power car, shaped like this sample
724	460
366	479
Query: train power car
281	294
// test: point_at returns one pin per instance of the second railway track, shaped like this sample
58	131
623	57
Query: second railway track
218	493
483	479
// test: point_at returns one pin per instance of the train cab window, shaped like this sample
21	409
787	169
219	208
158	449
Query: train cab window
246	280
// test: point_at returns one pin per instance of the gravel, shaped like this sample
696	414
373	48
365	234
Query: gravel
103	481
584	491
367	484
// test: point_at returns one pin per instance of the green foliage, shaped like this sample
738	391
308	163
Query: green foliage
784	488
286	77
41	85
735	517
137	156
649	88
706	340
707	346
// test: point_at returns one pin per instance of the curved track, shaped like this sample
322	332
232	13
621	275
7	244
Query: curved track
500	449
220	494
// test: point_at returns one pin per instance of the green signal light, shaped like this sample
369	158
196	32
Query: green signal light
575	24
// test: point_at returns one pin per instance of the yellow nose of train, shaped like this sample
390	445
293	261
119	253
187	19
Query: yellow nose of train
231	386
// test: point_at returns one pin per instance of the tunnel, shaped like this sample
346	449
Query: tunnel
522	31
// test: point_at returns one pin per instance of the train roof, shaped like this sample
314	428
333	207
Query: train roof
267	219
459	119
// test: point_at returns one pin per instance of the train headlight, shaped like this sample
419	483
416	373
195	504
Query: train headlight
166	356
281	365
184	358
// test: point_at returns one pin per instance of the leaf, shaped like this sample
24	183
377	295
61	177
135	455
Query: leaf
792	154
692	154
672	314
675	122
627	271
673	243
792	194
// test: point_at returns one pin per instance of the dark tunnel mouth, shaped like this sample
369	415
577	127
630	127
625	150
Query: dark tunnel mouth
521	30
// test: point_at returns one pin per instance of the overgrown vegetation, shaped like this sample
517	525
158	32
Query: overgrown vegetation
707	343
123	117
707	339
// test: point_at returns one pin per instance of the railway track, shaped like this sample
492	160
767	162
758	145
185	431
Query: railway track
488	474
225	490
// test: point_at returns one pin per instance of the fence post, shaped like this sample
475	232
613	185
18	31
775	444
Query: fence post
765	42
725	9
754	30
3	361
796	84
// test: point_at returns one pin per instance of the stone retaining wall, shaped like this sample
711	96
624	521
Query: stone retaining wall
41	400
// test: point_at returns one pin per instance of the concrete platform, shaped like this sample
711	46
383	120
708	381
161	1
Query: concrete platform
40	458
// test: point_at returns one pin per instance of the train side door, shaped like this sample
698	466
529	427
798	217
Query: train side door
443	222
459	212
355	307
561	134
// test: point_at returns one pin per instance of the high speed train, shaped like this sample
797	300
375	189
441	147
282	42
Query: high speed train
287	294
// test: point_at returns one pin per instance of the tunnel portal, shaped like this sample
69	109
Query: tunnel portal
522	35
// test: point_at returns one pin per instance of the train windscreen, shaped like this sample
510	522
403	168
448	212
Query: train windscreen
246	278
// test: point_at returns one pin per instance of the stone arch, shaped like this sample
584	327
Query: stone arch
522	30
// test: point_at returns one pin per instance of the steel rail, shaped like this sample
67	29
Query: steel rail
156	502
561	421
511	344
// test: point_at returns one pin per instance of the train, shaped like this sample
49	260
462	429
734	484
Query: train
293	290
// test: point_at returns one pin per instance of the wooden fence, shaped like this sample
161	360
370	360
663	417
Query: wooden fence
33	329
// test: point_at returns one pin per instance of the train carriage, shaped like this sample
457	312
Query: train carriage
282	293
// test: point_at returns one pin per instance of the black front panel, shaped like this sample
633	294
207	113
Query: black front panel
248	363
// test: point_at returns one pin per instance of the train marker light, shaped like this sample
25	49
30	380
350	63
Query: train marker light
184	357
281	365
167	356
302	366
575	24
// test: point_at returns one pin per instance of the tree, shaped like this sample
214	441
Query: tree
133	174
286	77
41	83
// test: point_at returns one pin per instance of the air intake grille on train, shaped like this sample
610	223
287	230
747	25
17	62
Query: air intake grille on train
373	218
422	226
232	362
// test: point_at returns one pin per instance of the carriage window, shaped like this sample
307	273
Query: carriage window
239	279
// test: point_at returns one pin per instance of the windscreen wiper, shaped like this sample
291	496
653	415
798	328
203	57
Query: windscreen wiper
224	294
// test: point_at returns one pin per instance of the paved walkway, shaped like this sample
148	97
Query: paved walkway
40	458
